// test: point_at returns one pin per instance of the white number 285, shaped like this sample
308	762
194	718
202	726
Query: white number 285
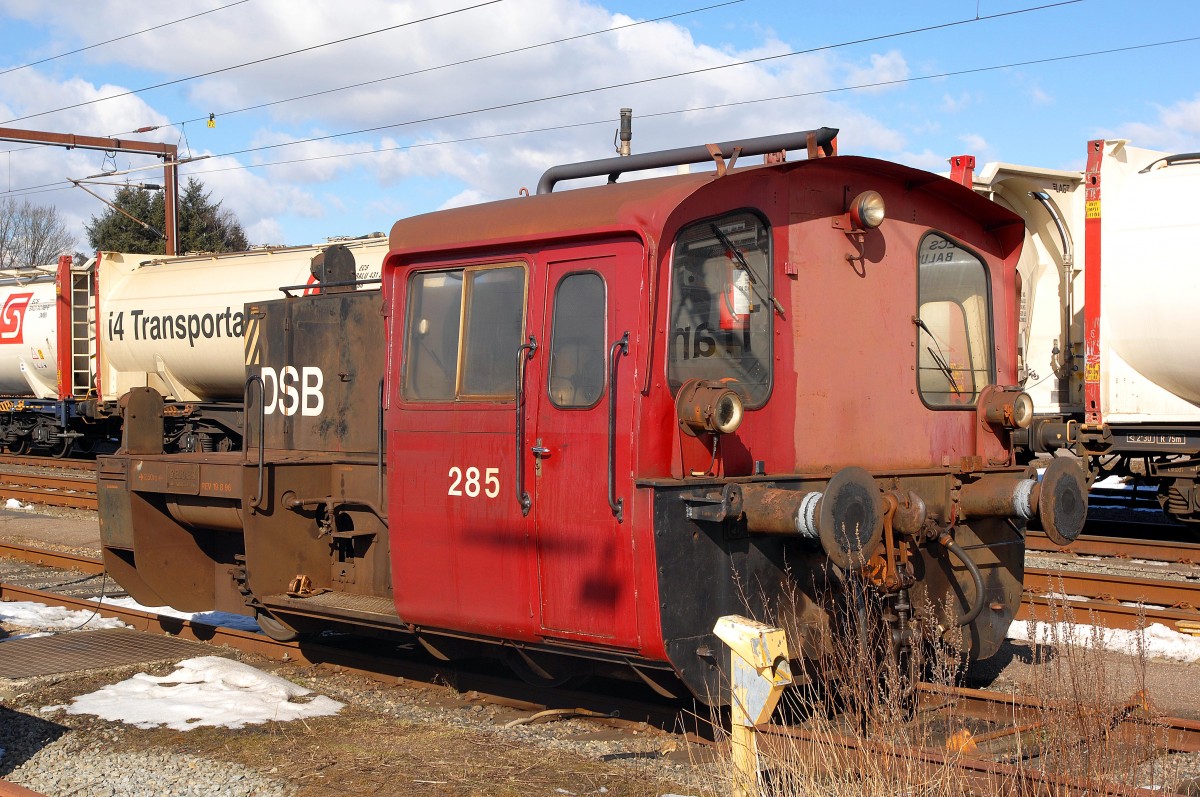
467	482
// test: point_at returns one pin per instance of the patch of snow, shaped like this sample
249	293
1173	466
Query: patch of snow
1113	483
238	622
1160	641
206	691
28	614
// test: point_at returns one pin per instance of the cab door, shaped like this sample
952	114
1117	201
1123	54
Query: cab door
461	547
584	551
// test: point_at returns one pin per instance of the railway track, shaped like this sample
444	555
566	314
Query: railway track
68	465
1154	550
31	480
994	716
365	657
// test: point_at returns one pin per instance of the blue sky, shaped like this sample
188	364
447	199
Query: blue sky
894	94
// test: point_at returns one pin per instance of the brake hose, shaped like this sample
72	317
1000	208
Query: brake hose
976	577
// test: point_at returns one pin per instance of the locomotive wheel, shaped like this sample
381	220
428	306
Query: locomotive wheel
62	447
20	446
274	628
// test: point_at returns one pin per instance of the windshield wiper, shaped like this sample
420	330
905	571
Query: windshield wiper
938	358
754	280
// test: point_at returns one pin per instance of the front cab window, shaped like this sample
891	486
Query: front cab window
721	305
954	344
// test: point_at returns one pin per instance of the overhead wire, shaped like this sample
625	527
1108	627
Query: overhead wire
713	107
717	106
762	59
419	71
464	61
644	81
121	38
264	60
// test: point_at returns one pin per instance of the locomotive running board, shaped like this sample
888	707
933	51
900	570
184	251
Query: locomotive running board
369	609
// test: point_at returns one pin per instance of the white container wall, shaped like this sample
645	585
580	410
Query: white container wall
28	339
177	324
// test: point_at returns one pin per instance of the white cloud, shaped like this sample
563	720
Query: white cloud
1040	97
884	68
1177	127
274	198
956	103
976	145
929	161
467	197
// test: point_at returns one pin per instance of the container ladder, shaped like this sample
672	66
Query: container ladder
83	331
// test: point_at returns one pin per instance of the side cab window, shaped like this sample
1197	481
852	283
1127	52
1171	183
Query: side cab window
577	345
462	330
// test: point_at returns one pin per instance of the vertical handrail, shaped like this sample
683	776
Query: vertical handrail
262	432
379	445
617	505
524	352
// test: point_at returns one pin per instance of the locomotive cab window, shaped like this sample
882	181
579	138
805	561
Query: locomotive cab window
462	331
721	305
954	341
577	344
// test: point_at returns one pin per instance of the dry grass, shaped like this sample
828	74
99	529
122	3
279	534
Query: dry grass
863	733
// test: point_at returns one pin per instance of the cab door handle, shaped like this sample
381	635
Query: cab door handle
540	451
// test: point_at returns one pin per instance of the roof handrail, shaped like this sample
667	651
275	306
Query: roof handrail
823	138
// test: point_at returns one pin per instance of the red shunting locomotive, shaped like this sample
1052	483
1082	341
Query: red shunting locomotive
588	423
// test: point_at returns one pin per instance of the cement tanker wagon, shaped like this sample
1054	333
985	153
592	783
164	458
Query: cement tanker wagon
28	334
1111	281
74	339
40	407
178	326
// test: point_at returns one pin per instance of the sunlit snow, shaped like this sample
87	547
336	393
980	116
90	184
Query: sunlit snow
28	614
206	691
1160	641
239	622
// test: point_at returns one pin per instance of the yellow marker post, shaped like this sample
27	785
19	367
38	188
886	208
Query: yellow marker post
759	671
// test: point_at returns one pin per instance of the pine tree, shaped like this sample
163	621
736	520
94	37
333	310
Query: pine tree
113	231
203	225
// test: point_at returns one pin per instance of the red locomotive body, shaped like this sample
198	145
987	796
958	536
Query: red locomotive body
614	414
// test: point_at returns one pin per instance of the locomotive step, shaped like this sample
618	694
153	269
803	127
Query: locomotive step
367	608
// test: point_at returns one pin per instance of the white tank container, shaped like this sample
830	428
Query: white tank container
28	337
177	324
1050	342
1150	281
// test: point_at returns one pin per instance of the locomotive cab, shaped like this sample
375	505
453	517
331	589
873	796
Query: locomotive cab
588	423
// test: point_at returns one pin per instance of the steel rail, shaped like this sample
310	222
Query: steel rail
982	776
1123	547
388	669
41	556
840	753
1181	735
1114	588
80	465
64	491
